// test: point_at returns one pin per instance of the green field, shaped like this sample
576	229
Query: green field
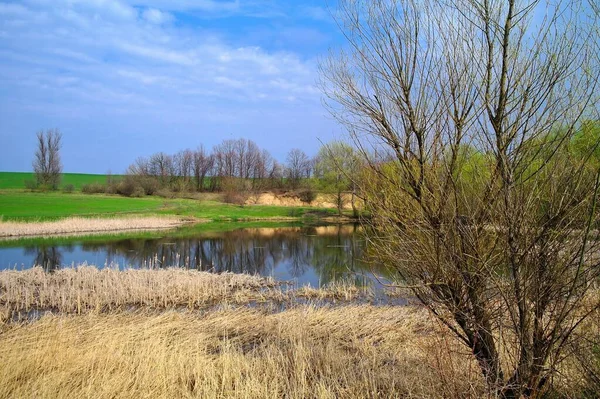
16	180
34	206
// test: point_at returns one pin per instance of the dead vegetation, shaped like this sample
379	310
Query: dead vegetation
89	289
87	225
180	333
303	352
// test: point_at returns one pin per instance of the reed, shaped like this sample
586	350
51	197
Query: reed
87	288
79	225
303	352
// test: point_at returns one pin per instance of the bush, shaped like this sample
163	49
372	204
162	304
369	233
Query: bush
165	193
31	185
149	184
68	188
93	188
235	197
307	195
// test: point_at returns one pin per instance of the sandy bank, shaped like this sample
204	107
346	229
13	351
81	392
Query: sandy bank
87	225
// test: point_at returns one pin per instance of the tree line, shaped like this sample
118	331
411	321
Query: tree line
236	167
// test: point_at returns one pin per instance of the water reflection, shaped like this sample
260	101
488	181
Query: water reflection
48	257
315	255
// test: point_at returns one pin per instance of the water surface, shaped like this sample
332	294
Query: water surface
305	255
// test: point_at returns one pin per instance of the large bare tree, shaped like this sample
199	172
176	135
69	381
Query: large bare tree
478	205
46	164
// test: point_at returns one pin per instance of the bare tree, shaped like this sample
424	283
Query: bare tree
225	158
483	212
46	164
183	163
203	164
161	167
298	166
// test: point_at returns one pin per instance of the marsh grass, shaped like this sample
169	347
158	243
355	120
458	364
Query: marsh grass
85	289
178	333
78	225
303	352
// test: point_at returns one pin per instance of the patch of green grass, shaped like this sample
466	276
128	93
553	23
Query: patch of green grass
187	231
16	180
34	206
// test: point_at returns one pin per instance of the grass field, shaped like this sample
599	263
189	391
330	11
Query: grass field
16	180
33	206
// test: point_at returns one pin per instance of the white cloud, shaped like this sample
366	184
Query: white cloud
189	5
157	53
97	60
157	17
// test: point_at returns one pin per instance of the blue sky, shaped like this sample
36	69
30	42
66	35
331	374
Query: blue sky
127	78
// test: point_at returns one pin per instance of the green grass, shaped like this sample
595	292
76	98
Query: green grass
16	180
35	206
187	231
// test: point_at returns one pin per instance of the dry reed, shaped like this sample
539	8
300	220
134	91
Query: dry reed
87	288
303	352
86	225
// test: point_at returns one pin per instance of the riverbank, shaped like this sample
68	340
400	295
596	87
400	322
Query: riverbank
88	226
24	206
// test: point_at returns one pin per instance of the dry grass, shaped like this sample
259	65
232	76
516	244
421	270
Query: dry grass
139	334
303	352
87	288
77	225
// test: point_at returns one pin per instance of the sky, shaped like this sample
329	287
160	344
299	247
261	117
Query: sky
123	79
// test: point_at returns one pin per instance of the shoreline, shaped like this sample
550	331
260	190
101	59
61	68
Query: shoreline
80	226
74	226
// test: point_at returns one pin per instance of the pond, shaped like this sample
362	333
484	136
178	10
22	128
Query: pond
313	255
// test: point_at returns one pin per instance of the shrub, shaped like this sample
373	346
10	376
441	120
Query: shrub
93	188
30	185
235	197
68	188
149	184
165	193
307	195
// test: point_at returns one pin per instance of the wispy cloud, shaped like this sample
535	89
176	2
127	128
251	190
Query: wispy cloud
190	5
144	63
158	17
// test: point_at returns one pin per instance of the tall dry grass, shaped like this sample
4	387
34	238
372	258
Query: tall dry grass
303	352
77	225
87	288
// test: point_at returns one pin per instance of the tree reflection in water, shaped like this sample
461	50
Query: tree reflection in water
324	253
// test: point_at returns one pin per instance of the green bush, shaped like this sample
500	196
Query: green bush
68	188
307	195
31	185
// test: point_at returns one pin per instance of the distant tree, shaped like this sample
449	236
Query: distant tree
183	163
46	164
336	166
203	164
161	166
298	166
